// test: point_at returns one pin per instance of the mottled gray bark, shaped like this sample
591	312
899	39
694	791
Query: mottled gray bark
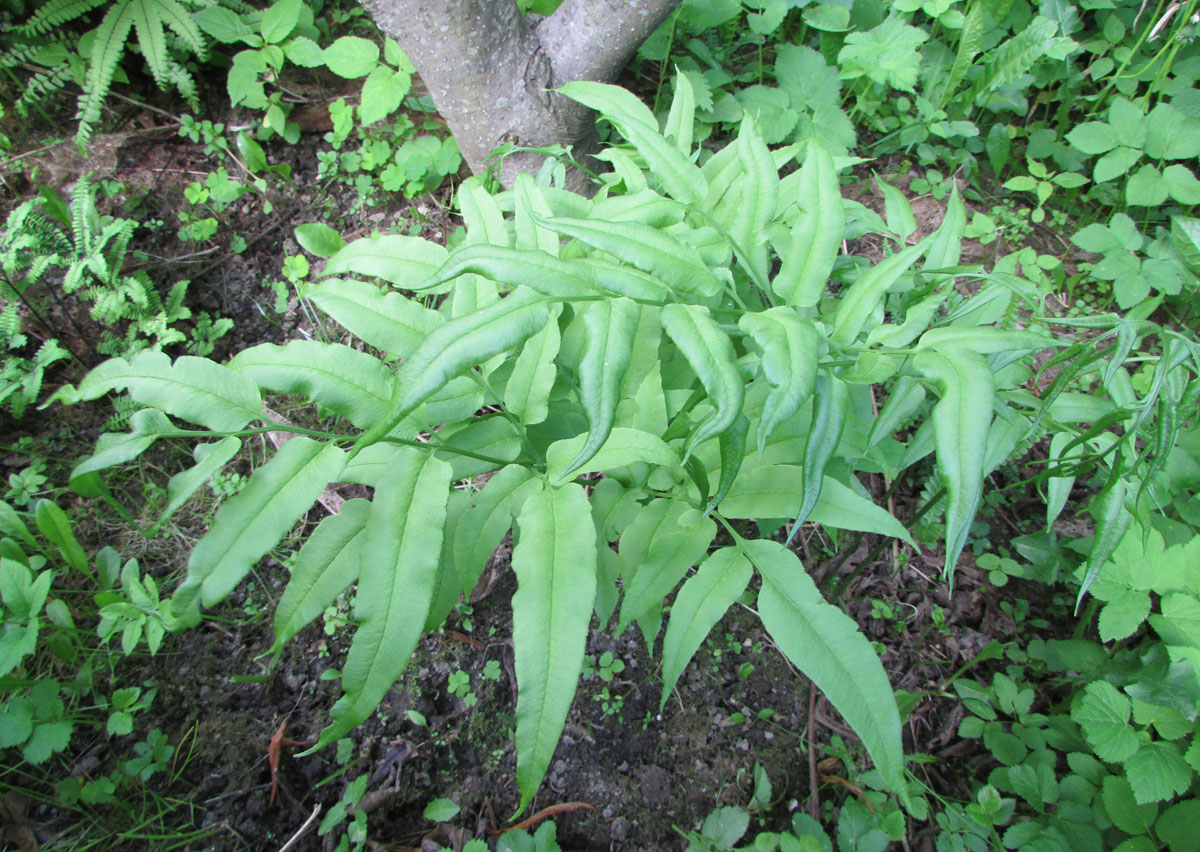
489	68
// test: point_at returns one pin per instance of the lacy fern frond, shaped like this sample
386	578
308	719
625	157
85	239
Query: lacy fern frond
150	19
84	219
10	328
18	53
44	85
56	13
107	49
184	82
175	16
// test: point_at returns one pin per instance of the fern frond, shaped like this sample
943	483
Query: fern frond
107	48
970	42
41	264
239	6
10	328
15	223
1008	61
175	16
184	82
83	215
173	307
74	276
151	38
18	53
122	233
56	13
123	409
43	86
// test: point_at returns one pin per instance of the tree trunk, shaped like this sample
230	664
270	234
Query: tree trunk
489	68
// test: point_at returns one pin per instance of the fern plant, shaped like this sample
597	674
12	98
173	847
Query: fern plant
665	367
162	27
40	262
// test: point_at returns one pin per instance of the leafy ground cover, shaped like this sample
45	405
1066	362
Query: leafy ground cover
919	427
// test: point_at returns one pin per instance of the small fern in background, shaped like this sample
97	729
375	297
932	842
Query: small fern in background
164	30
41	261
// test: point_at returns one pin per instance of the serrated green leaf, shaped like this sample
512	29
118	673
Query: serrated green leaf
710	354
816	232
254	520
194	389
397	574
387	321
1179	623
353	384
1093	137
1124	811
1115	163
700	604
1146	187
725	826
1103	713
441	810
826	645
382	94
12	525
351	57
961	419
279	19
790	350
1122	616
555	563
1172	134
16	722
47	738
325	566
1177	826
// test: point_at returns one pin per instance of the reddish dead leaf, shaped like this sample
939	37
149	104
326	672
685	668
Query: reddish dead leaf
464	638
274	752
566	807
834	779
